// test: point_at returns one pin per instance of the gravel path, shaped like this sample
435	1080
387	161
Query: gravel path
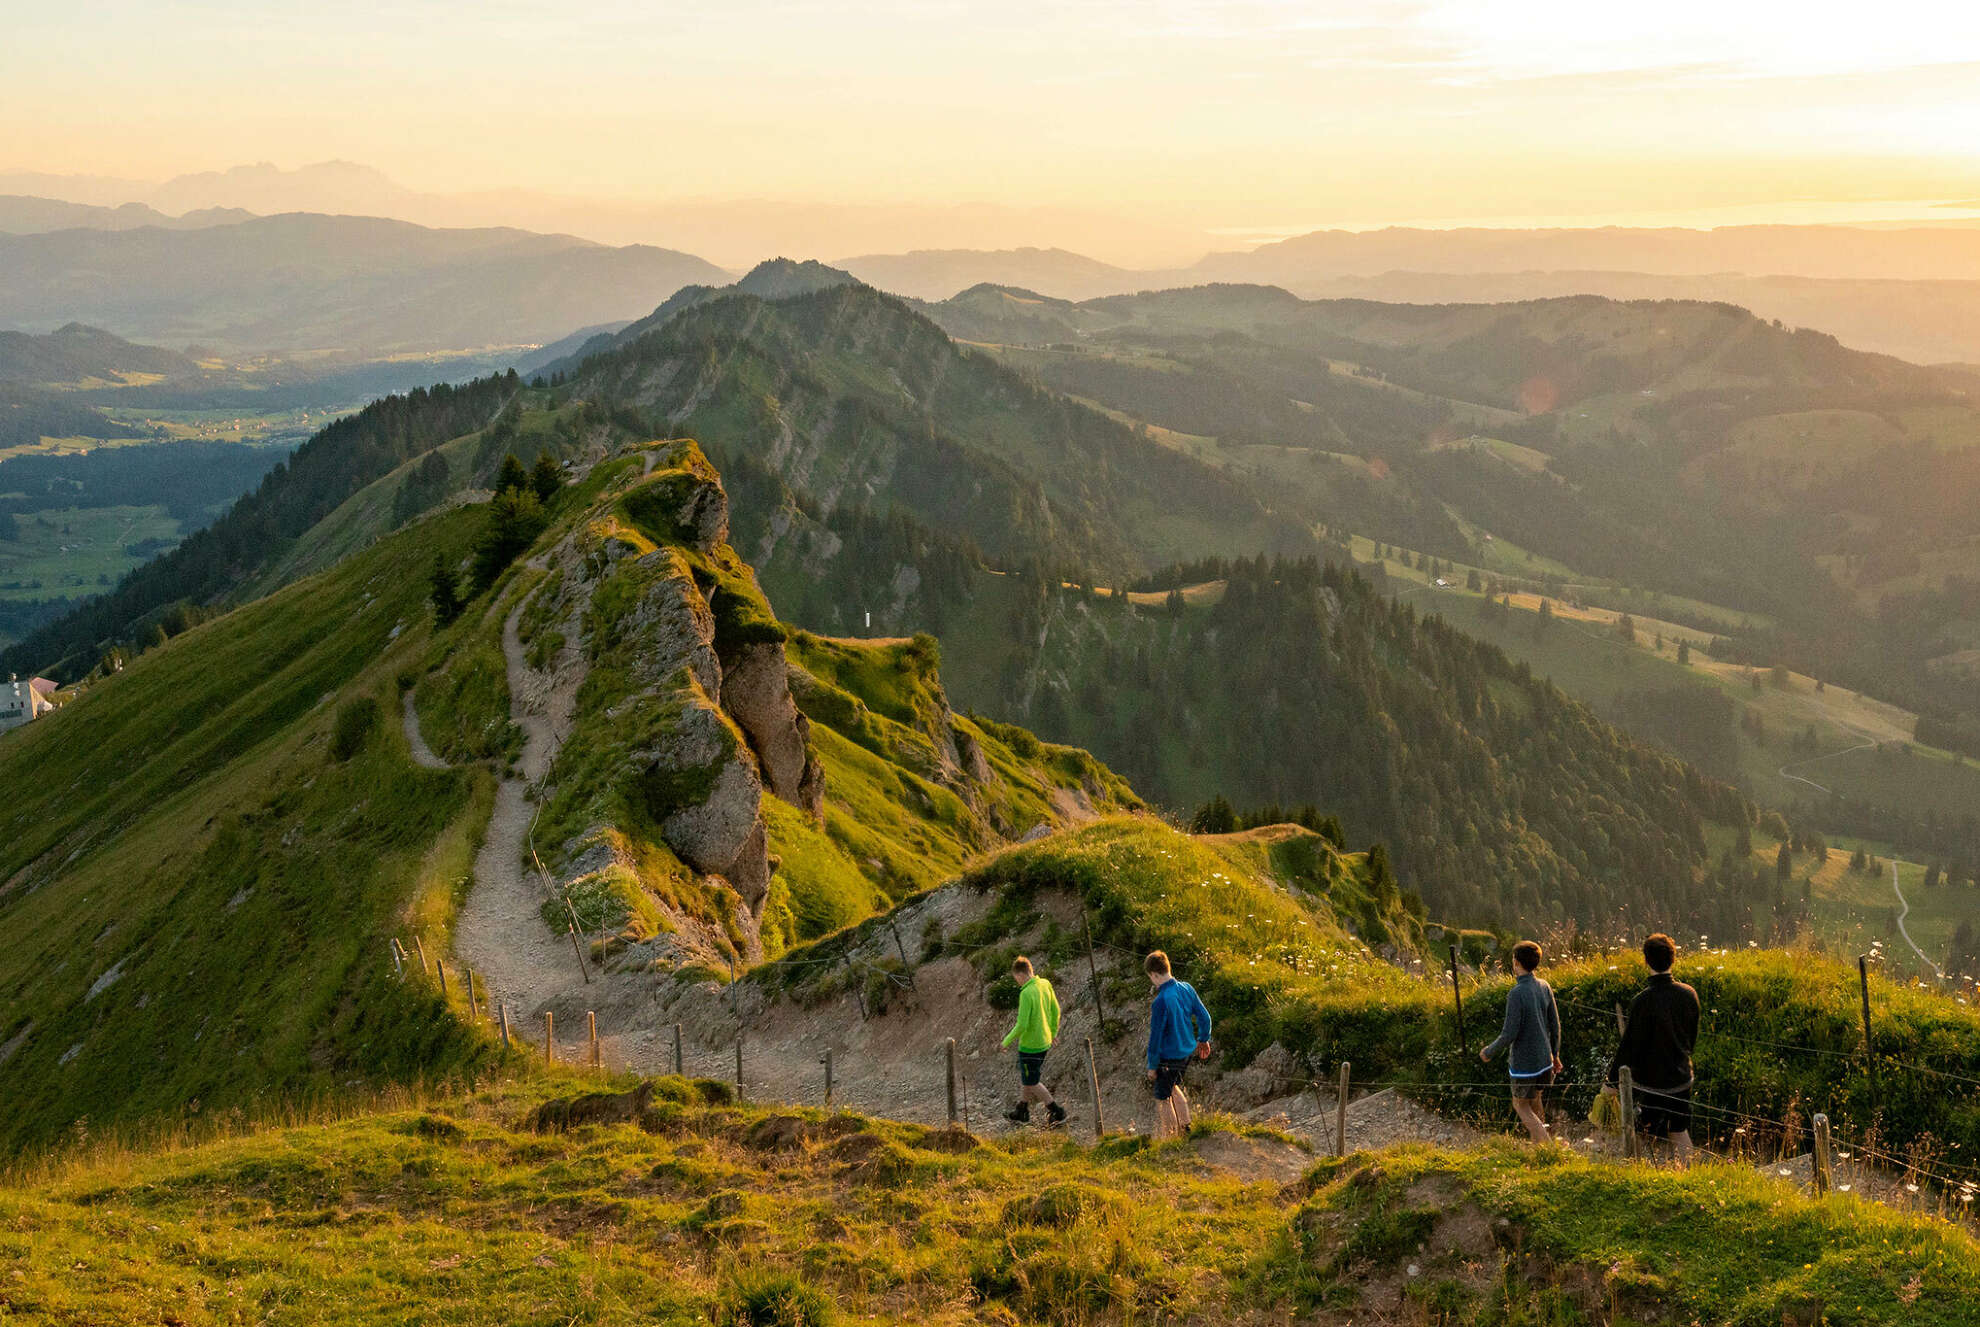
422	754
501	933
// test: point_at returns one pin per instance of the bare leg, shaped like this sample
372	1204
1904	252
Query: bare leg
1681	1144
1179	1103
1037	1094
1528	1111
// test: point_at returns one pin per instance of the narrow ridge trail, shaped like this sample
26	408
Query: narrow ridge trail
501	933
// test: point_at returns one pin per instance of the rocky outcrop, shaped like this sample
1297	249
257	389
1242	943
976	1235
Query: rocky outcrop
700	785
687	713
756	691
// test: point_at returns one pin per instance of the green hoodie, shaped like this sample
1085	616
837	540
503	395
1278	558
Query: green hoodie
1038	1016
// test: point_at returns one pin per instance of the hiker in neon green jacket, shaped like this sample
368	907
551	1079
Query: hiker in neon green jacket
1037	1025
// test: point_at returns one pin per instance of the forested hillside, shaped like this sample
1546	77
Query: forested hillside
294	496
859	402
1820	500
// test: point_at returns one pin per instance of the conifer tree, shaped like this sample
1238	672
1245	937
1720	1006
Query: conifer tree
511	475
545	479
445	591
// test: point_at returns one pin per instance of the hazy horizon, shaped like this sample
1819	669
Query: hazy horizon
1142	136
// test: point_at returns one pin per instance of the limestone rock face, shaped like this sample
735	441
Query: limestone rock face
701	784
756	691
671	626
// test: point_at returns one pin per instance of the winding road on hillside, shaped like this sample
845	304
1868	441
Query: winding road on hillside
1797	764
1904	910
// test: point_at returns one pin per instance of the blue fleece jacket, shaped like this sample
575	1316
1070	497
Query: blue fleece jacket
1177	1021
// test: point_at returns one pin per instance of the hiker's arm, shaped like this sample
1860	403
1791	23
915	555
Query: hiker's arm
1515	1015
1554	1027
1024	998
1202	1015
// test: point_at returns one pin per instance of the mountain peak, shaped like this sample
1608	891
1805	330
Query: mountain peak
781	278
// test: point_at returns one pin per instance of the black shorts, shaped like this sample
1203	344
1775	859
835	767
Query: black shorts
1532	1086
1663	1112
1168	1077
1031	1066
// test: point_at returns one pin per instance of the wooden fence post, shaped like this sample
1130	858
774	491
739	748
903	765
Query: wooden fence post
949	1049
1869	1053
505	1025
1458	996
398	968
739	1085
441	968
1340	1113
1093	974
597	1054
902	950
549	1039
859	989
1626	1089
679	1069
474	1005
732	987
577	946
828	1080
1823	1176
420	945
1093	1077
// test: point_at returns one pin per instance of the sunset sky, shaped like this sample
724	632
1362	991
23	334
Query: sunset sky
1243	118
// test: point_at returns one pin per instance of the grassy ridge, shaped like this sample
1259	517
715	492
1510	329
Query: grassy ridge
1275	966
703	1210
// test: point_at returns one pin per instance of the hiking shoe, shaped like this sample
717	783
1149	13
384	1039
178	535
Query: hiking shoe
1055	1113
1020	1113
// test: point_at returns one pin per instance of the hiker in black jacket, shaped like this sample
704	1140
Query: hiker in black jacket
1656	1045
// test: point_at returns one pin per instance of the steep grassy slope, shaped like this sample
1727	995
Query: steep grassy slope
707	1211
197	884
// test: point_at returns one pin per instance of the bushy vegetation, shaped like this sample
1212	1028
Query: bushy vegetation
700	1211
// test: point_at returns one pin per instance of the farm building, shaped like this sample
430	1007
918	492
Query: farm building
22	702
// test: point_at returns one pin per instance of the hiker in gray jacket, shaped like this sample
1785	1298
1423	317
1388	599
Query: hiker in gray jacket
1533	1031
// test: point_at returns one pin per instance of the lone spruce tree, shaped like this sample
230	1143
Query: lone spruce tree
445	591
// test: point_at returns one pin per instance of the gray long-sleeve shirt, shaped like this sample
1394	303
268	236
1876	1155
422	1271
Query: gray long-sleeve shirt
1533	1028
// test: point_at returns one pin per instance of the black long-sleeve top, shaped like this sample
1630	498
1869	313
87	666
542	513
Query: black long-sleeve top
1658	1038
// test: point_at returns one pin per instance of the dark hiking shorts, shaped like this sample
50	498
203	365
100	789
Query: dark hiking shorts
1661	1113
1168	1077
1533	1088
1031	1066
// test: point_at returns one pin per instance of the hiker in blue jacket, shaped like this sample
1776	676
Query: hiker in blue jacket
1178	1032
1533	1031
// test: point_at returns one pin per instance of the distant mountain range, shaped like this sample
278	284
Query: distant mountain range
360	286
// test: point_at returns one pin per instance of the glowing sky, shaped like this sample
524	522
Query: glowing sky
1233	114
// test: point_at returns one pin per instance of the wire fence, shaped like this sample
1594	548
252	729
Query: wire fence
1923	1167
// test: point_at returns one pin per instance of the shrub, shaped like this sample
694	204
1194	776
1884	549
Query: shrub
760	1297
353	727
